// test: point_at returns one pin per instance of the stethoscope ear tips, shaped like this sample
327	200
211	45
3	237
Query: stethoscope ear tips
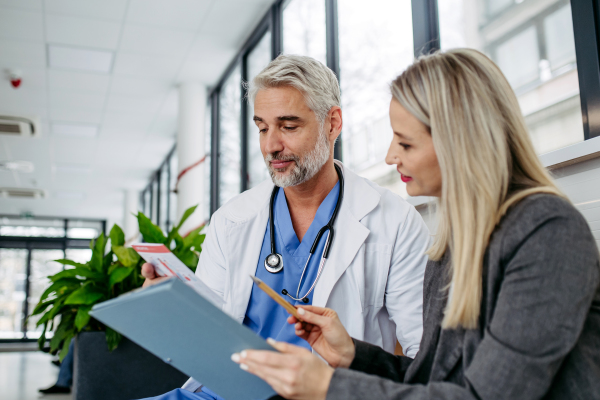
305	300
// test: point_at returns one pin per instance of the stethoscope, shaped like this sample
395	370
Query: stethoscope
274	261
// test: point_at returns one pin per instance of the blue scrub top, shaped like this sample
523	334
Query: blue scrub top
263	315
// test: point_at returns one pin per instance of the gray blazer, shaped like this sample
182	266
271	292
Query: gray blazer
539	334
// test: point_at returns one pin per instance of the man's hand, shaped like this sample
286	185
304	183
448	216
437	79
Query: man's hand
323	330
152	278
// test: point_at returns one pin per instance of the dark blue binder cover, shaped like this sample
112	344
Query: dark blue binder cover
175	323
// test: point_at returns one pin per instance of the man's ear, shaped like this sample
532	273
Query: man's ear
335	122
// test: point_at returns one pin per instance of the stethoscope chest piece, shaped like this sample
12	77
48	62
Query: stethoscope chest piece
274	263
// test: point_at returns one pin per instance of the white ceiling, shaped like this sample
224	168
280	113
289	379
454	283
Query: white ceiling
157	44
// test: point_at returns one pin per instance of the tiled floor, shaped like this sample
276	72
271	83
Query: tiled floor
23	373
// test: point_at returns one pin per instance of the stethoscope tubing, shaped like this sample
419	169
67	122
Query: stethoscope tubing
327	228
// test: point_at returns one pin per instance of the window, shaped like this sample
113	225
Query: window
42	265
304	29
83	229
257	60
230	137
533	44
386	49
173	181
207	161
155	200
27	261
164	197
13	273
147	200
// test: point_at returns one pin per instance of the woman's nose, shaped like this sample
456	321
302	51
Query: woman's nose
391	157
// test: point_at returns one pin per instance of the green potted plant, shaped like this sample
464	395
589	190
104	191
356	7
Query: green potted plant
111	271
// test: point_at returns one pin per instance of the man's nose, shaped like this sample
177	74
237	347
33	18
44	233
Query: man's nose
272	141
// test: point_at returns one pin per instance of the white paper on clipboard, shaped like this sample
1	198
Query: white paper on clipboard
165	263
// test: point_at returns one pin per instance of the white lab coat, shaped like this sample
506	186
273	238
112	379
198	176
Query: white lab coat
373	277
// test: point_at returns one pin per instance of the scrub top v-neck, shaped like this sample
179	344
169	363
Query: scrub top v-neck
263	315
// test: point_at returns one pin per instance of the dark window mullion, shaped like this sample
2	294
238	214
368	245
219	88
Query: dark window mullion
586	14
426	27
333	54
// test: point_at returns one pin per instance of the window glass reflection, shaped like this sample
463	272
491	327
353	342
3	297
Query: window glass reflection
257	60
207	162
42	265
174	171
532	43
304	28
375	47
164	195
13	273
230	137
519	58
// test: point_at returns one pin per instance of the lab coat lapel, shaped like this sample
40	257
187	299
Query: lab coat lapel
245	235
359	200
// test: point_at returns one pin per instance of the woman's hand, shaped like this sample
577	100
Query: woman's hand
294	373
322	329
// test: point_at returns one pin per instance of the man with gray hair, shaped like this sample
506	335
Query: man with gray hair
317	232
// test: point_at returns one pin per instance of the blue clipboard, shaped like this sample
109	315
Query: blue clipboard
175	323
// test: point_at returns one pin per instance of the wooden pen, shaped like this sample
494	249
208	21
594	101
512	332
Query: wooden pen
273	294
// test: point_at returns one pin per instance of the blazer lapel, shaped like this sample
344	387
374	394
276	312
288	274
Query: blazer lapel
359	200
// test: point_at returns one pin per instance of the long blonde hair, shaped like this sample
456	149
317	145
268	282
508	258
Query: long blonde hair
486	158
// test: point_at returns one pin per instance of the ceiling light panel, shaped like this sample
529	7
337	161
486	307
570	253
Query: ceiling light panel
73	58
78	130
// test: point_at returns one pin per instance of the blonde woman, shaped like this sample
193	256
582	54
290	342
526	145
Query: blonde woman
511	304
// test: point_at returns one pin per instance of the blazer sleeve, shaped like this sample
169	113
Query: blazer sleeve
543	301
374	360
404	288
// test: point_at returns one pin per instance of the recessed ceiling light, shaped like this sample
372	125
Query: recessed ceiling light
80	59
72	168
81	130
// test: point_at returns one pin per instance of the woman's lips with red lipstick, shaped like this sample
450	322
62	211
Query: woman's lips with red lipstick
278	164
405	178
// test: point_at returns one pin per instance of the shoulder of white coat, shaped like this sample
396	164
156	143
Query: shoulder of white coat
391	204
246	205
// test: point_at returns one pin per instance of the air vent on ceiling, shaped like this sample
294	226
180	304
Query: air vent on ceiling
22	193
18	126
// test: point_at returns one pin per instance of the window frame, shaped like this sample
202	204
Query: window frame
426	38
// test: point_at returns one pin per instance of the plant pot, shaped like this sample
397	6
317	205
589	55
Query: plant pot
129	372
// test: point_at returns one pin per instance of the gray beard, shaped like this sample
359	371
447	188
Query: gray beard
304	167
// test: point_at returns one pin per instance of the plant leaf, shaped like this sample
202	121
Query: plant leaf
186	215
118	275
59	335
73	263
77	271
117	237
83	317
87	294
127	256
189	258
113	338
150	232
42	339
56	286
189	239
65	348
